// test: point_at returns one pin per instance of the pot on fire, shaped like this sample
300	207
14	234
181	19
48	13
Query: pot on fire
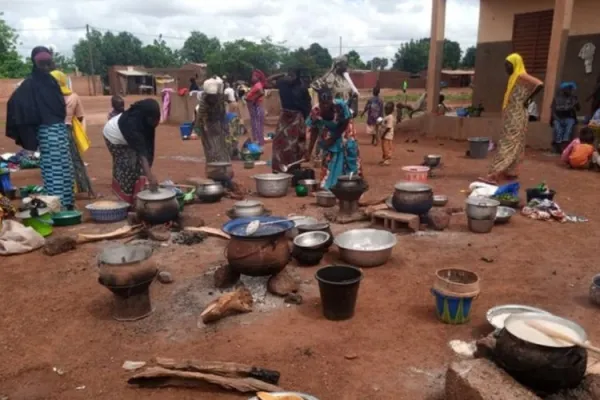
349	187
412	198
157	207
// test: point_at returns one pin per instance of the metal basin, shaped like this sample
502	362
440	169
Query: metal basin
272	185
412	198
482	208
504	214
365	247
480	225
312	240
440	200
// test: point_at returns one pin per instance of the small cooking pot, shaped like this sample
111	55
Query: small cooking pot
157	207
248	208
219	171
481	208
210	191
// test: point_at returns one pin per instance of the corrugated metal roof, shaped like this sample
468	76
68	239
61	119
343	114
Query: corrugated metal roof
132	72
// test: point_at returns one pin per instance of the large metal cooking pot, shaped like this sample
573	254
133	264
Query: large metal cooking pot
479	207
157	207
219	171
272	185
125	265
210	191
412	198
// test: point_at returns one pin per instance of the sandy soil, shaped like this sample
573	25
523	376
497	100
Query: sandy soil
55	314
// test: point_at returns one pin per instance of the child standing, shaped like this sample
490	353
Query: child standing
374	110
118	106
580	153
387	137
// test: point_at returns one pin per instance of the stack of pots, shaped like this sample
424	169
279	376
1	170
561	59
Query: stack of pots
454	290
481	213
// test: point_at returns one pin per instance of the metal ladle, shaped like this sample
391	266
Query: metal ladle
285	168
254	225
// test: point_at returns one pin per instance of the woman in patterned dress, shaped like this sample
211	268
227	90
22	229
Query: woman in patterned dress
130	140
35	118
255	99
331	123
511	146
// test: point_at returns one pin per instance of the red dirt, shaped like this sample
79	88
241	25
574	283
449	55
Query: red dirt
55	314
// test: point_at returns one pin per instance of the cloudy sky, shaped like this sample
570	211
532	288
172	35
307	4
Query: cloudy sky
371	27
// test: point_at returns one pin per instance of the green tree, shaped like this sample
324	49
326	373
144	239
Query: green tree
11	64
321	56
354	61
64	63
377	64
160	55
301	58
413	56
197	47
468	60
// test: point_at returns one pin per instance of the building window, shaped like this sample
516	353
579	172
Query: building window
531	39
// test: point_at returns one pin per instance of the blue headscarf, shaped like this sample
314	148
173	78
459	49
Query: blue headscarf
568	85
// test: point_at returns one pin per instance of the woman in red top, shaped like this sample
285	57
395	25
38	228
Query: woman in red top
255	98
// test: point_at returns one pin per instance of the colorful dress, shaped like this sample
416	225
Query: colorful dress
214	132
511	146
254	100
340	149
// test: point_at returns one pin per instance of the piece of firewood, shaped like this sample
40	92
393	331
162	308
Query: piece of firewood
62	244
371	202
229	369
239	301
162	377
209	231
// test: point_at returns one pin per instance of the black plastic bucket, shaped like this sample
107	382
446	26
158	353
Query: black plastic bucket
338	285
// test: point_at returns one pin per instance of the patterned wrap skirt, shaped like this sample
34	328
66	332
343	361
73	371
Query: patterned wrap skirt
56	163
289	143
128	178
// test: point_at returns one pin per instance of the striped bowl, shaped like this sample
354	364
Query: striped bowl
113	214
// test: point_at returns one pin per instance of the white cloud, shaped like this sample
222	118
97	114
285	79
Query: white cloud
371	27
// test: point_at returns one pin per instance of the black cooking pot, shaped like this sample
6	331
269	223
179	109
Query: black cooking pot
412	198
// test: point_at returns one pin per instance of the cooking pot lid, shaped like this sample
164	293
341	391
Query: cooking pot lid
247	204
237	227
519	326
482	201
160	194
412	187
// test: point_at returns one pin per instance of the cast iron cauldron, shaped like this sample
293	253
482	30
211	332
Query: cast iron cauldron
157	207
412	198
349	188
266	252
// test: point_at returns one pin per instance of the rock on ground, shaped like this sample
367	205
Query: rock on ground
165	277
481	379
282	284
225	276
438	219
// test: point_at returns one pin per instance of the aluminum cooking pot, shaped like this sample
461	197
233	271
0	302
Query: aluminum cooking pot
479	207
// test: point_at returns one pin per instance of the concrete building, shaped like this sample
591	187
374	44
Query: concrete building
557	39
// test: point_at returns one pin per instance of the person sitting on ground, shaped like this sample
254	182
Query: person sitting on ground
118	106
580	153
374	111
564	115
387	136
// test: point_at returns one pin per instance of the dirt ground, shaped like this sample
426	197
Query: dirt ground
55	314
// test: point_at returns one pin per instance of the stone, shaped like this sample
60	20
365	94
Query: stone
282	284
189	219
293	298
225	277
481	379
438	219
165	277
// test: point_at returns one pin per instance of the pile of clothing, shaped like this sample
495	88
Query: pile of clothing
544	210
24	159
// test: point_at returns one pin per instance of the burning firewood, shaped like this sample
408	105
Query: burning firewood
239	301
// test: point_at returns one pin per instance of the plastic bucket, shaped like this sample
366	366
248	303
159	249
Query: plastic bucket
42	224
338	286
185	129
478	147
452	310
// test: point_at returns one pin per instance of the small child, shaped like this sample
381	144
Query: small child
580	153
387	136
374	110
118	106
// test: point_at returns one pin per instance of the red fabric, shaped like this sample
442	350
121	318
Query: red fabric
260	76
129	198
255	94
182	91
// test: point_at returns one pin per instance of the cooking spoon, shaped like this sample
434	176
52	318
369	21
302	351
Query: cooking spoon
561	336
254	225
285	168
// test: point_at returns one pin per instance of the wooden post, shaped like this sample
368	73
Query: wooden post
561	24
436	53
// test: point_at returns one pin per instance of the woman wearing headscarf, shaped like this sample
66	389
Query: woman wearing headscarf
211	124
564	115
130	138
254	99
339	82
35	118
289	143
74	110
511	146
331	125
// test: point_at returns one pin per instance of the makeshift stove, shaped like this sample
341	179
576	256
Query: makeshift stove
128	272
348	190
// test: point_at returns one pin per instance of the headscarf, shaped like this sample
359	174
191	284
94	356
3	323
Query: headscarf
137	126
212	86
37	101
564	102
568	85
262	78
518	68
63	82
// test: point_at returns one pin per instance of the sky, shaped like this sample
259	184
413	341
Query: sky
374	28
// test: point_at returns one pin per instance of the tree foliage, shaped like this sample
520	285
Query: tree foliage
413	56
377	64
198	47
11	64
315	59
354	61
468	60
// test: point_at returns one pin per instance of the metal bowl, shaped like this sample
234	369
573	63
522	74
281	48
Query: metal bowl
432	160
248	208
480	225
312	240
366	247
272	185
504	214
299	220
440	200
210	192
326	199
509	309
311	184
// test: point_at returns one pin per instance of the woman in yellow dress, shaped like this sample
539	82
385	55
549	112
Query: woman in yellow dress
511	146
